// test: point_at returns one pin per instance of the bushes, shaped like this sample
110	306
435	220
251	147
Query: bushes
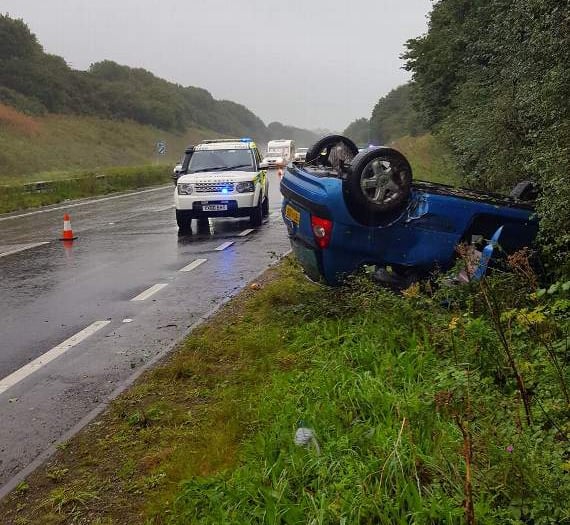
88	184
493	79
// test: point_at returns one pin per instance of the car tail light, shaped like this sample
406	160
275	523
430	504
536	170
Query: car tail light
322	230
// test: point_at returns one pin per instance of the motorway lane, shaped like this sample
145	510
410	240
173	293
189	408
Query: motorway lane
49	293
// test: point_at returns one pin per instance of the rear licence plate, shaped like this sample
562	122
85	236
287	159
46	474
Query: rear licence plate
292	214
215	207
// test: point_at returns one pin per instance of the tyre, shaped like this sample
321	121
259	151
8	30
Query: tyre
265	206
319	154
396	279
378	184
184	219
526	191
256	215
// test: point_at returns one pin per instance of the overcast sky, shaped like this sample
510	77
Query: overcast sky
308	63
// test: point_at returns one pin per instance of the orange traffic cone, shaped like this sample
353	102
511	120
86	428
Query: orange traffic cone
67	234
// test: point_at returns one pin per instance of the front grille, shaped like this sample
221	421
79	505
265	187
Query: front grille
214	187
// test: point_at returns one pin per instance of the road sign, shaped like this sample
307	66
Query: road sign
161	147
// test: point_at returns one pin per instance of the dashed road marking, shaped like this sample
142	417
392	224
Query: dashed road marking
148	293
224	246
193	265
50	355
246	232
22	248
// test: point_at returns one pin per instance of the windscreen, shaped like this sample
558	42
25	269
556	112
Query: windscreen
221	160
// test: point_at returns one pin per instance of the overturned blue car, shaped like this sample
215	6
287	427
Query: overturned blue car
345	210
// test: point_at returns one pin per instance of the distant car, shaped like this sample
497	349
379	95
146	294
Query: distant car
182	166
345	210
176	172
273	160
300	155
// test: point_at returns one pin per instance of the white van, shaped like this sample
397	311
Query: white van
282	148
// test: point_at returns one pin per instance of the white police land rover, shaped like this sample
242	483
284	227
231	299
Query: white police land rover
222	178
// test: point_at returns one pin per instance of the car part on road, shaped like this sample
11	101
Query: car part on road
378	181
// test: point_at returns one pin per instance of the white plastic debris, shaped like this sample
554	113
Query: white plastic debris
305	437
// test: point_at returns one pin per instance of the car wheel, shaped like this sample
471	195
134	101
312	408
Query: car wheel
256	215
378	183
396	279
265	206
184	219
319	154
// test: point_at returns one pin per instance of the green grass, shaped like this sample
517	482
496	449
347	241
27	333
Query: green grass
84	184
73	150
396	388
59	143
429	158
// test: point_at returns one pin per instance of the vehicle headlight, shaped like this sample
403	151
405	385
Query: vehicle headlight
245	187
185	188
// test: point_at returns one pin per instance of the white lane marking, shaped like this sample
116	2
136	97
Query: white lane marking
151	291
224	246
81	203
50	355
245	232
166	208
23	248
193	265
127	320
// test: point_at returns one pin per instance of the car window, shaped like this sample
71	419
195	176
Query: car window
221	160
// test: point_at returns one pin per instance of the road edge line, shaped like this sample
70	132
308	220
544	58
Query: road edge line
13	482
51	355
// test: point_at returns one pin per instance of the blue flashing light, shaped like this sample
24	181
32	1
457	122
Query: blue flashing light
224	190
246	139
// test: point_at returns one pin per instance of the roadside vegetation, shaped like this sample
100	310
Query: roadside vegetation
37	147
415	402
430	159
37	83
75	185
492	79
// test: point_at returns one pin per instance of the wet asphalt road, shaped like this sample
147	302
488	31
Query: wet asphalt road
51	292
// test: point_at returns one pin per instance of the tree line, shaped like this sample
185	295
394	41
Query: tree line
492	80
36	82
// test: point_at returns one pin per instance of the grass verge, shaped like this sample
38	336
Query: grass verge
83	184
414	410
429	158
34	148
